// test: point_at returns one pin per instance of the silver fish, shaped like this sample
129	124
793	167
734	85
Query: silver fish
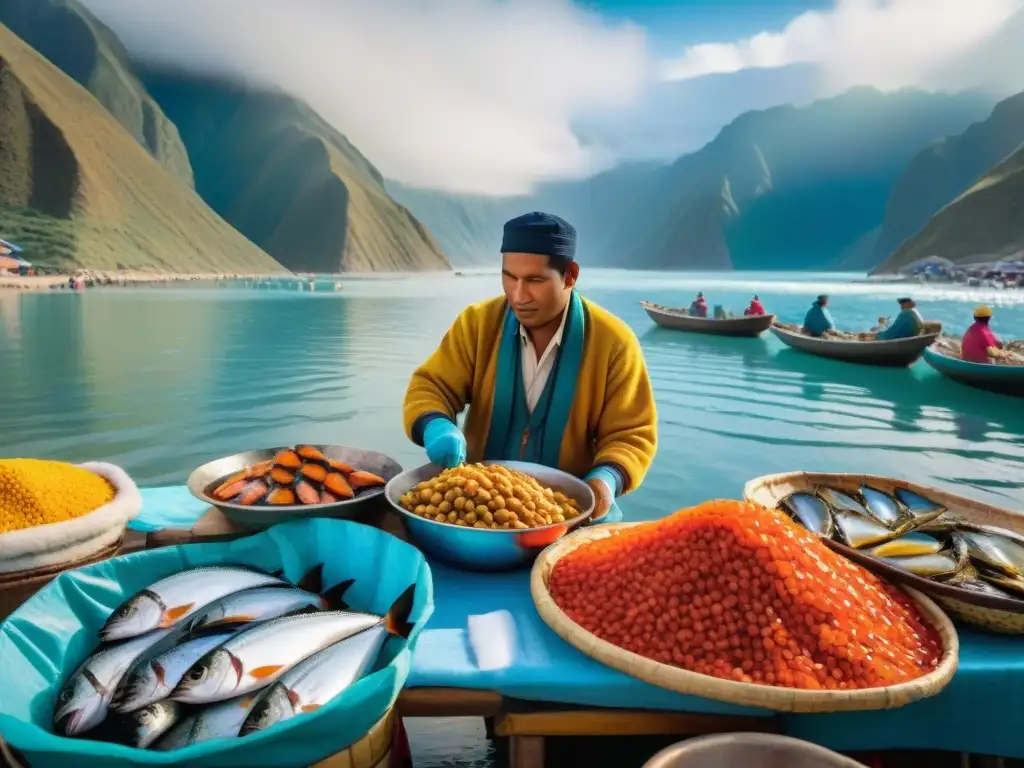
314	682
217	721
971	579
934	566
1011	584
84	699
859	531
995	552
838	501
258	604
168	601
811	513
153	680
881	506
143	727
256	657
913	543
921	508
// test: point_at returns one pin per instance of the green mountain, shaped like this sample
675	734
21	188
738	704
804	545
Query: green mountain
76	189
783	188
290	182
984	223
946	168
84	49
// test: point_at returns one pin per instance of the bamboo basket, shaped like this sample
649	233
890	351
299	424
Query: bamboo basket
746	694
996	614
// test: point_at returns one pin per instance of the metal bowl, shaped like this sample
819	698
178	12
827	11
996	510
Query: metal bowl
748	750
204	480
488	549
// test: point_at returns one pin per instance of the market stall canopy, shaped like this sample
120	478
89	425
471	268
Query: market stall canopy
6	262
927	262
11	247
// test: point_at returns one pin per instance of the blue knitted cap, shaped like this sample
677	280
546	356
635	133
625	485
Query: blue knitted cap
540	233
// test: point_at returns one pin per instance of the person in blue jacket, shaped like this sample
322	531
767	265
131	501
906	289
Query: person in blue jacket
818	319
908	322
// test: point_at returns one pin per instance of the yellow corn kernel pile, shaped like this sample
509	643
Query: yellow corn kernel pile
35	492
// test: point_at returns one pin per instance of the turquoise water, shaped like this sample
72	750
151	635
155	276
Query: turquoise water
161	380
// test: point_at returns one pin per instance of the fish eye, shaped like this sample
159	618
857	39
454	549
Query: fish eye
197	674
125	612
66	695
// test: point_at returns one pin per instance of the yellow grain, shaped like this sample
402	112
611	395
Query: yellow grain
36	492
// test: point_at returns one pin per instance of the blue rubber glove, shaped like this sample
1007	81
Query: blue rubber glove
445	443
605	483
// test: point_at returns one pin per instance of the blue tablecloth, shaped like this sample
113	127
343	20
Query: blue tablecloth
979	711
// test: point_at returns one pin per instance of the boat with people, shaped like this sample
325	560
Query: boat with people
895	353
678	320
1003	379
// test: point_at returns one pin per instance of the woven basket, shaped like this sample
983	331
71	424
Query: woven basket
998	614
745	694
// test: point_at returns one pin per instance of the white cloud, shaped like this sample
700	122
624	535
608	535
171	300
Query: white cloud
469	95
886	43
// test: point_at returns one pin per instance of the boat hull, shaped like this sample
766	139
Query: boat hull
898	353
734	326
1002	379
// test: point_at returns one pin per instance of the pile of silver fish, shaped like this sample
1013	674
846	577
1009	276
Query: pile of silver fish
918	535
222	651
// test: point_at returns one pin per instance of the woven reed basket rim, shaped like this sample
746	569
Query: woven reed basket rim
745	694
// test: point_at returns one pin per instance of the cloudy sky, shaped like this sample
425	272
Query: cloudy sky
495	96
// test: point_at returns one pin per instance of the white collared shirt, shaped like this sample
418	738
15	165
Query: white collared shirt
537	372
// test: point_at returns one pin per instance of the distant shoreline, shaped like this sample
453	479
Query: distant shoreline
126	278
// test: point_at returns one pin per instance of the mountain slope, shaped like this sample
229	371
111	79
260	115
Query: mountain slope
84	49
77	190
944	169
985	222
289	182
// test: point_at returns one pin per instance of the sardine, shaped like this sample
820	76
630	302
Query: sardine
995	552
934	566
921	508
143	727
153	680
838	501
971	579
258	656
314	682
910	544
217	721
263	603
859	531
881	506
169	600
1012	584
811	513
84	699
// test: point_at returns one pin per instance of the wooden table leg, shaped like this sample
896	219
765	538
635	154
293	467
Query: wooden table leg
526	751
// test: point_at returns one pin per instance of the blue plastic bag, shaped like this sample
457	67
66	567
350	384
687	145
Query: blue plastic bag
50	635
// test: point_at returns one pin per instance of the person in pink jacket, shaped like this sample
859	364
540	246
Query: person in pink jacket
979	340
755	308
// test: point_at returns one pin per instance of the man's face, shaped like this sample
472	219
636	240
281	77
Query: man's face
907	305
823	300
536	292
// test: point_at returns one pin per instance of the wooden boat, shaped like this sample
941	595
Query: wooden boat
992	377
677	320
897	353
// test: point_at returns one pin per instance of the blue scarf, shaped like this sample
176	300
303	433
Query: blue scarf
511	421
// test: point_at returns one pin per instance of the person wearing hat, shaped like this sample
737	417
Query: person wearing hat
698	307
549	377
818	319
908	322
979	344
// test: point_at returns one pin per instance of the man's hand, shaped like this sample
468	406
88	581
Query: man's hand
602	482
445	443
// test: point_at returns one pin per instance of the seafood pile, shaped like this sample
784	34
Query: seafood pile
489	496
221	651
917	535
840	335
740	592
303	475
1013	351
37	492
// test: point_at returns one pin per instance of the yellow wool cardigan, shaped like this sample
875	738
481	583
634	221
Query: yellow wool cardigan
613	418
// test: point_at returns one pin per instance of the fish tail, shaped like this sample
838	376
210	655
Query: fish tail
313	580
397	619
334	597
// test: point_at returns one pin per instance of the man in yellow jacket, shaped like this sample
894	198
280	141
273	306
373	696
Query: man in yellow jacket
549	377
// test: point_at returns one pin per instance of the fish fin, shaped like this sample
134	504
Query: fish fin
334	597
397	619
313	580
238	618
293	697
261	672
309	707
171	615
246	701
159	671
